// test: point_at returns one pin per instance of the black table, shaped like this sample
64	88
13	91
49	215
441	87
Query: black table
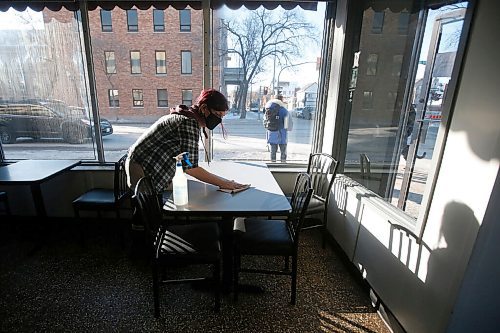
264	198
34	173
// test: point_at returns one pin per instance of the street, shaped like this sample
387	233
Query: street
246	139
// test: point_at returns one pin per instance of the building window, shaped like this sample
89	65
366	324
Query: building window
109	58
162	96
397	62
135	62
403	23
137	97
187	97
186	62
371	63
106	23
378	22
114	101
185	20
367	99
132	20
158	20
161	62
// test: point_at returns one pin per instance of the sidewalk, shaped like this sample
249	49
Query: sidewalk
150	119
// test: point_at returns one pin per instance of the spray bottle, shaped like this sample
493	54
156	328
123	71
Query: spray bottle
180	181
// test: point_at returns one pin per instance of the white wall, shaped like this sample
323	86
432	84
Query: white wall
423	285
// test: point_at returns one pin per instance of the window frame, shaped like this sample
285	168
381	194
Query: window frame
342	71
132	15
185	20
138	60
158	27
184	63
186	101
371	66
159	100
108	60
113	99
137	98
378	22
106	27
158	62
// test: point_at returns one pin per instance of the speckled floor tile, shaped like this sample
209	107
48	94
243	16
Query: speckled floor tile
102	288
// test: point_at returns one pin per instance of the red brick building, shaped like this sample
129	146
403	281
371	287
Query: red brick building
138	70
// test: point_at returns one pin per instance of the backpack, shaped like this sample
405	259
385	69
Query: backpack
272	118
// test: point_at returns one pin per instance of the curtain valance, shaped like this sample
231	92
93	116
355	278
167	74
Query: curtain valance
158	4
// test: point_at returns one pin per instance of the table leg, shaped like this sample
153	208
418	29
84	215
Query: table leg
36	193
227	253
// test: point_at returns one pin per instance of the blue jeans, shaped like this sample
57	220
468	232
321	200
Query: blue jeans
274	150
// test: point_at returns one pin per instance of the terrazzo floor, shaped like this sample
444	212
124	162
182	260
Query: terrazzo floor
103	287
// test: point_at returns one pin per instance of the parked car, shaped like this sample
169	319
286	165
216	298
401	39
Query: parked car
45	119
106	127
307	112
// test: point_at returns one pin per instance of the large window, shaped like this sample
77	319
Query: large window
162	98
109	58
114	100
44	108
396	113
106	23
287	67
372	62
187	97
135	62
132	20
378	22
186	63
55	69
138	98
185	20
158	20
161	62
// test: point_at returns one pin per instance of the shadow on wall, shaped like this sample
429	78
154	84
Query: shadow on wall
447	264
418	283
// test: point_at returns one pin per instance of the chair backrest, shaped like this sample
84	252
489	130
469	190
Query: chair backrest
364	163
322	166
146	200
301	196
121	188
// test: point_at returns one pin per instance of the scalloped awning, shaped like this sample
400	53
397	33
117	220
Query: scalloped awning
159	4
38	5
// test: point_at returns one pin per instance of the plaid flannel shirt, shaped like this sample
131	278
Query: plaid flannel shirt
166	138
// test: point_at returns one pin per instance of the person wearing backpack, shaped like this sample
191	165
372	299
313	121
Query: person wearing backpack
277	123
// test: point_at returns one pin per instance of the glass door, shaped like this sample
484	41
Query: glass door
424	113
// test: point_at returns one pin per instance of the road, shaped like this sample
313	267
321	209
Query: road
246	139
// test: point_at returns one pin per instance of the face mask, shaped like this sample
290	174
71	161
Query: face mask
212	121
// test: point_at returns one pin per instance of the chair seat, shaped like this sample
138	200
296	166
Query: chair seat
95	198
190	241
315	206
265	237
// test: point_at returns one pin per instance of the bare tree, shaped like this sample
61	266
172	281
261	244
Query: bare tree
264	35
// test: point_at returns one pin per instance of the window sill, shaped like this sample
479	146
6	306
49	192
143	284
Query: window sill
396	215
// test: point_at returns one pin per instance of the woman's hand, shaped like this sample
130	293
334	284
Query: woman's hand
232	185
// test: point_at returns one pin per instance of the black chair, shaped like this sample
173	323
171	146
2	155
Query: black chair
365	168
269	237
104	199
172	244
322	168
4	204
